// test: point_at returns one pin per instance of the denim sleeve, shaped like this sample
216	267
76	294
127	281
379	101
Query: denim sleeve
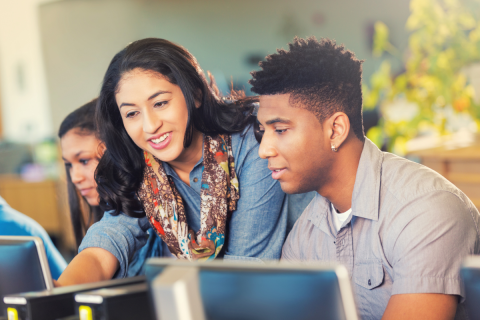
120	235
257	228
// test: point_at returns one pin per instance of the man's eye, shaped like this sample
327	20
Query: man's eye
131	114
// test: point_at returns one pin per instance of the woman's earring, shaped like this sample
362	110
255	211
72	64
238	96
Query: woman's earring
334	149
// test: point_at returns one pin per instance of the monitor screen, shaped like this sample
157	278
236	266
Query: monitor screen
281	291
21	268
470	273
270	295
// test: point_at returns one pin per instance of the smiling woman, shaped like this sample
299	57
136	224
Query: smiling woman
143	113
181	175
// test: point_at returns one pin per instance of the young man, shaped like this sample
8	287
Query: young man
401	229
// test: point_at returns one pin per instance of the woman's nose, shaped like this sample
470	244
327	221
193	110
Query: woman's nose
151	122
76	175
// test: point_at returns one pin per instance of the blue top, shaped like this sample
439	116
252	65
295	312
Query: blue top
14	223
256	230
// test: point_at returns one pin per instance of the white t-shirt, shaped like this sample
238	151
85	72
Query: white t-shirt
339	218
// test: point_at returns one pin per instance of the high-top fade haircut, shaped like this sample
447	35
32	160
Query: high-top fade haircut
320	76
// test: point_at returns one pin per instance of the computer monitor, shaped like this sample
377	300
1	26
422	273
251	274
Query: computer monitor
23	266
470	273
175	294
268	291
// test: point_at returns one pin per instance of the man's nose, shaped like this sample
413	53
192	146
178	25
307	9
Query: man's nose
266	149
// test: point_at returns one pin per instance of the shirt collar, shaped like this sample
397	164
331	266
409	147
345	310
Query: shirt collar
318	213
170	172
366	191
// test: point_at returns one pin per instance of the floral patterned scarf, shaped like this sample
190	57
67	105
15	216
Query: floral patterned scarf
219	194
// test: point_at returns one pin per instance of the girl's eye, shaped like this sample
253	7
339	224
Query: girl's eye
280	130
68	165
84	161
160	104
131	114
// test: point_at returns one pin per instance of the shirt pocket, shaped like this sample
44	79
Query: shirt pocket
368	274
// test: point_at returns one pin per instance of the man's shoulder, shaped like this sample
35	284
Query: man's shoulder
410	190
408	180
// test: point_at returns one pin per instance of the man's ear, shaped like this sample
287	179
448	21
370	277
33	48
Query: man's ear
338	128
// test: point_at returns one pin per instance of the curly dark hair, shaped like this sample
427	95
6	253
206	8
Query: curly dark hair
321	77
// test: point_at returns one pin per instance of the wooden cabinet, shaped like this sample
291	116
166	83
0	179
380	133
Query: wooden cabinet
44	201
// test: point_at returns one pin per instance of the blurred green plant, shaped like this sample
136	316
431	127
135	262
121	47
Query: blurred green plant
444	39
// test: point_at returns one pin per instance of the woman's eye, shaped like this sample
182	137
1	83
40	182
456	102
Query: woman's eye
280	130
68	165
84	161
160	104
131	114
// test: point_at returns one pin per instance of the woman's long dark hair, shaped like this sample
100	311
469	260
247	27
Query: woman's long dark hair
120	170
82	119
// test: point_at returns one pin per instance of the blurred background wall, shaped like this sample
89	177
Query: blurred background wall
80	37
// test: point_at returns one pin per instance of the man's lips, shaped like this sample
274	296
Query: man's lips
277	172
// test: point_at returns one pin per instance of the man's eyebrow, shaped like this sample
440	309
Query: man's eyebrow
277	120
149	98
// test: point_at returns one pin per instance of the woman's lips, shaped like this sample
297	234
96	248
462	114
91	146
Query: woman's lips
163	144
85	191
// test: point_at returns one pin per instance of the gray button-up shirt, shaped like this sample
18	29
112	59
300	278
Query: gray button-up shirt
409	232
